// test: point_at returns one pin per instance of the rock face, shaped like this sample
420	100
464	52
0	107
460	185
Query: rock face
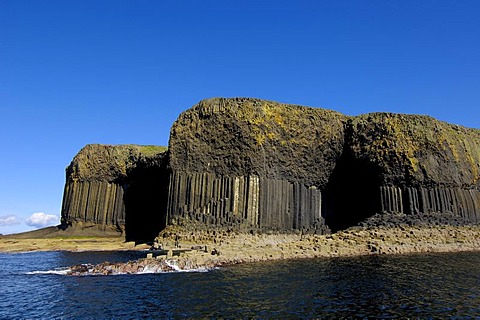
257	137
408	164
117	186
255	164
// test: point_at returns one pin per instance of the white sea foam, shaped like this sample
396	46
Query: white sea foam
146	270
149	270
60	272
173	264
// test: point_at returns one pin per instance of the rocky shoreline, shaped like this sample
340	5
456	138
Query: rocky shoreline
203	251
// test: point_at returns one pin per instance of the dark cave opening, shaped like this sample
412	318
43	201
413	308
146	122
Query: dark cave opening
145	199
352	193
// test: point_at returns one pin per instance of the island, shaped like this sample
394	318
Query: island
247	179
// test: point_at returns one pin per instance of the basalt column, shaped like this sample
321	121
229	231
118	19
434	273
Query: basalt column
460	203
243	202
99	202
210	200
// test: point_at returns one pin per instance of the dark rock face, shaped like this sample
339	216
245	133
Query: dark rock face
122	186
255	164
411	150
240	137
271	160
421	165
245	202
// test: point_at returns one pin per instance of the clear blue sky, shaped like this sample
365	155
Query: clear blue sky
114	72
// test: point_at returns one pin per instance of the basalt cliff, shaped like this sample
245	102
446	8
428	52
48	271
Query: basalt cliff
251	164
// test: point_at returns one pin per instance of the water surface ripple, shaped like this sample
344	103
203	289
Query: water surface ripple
417	285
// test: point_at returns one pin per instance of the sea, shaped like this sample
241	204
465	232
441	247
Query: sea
424	286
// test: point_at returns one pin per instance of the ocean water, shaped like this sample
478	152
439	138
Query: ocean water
404	286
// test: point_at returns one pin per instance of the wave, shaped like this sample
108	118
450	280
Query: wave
60	272
146	270
174	268
172	264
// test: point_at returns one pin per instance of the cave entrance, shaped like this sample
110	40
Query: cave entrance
145	202
352	193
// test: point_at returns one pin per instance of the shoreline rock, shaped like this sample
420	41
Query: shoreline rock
247	248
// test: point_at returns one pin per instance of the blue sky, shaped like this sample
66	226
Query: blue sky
114	72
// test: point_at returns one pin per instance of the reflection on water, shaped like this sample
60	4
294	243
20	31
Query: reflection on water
427	285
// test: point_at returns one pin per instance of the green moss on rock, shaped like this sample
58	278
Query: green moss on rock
417	150
244	136
111	162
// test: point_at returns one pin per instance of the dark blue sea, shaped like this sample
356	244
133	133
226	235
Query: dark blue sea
405	286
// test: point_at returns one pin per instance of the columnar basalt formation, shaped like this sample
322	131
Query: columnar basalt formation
255	164
245	201
117	186
421	165
272	161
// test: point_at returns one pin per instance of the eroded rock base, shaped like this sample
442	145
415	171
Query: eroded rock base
209	251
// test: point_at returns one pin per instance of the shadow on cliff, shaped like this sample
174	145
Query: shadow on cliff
352	193
145	198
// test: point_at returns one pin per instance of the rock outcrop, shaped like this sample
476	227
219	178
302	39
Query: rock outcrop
118	186
395	163
255	164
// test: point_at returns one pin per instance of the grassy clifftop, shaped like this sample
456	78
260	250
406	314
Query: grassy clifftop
110	163
243	136
417	150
